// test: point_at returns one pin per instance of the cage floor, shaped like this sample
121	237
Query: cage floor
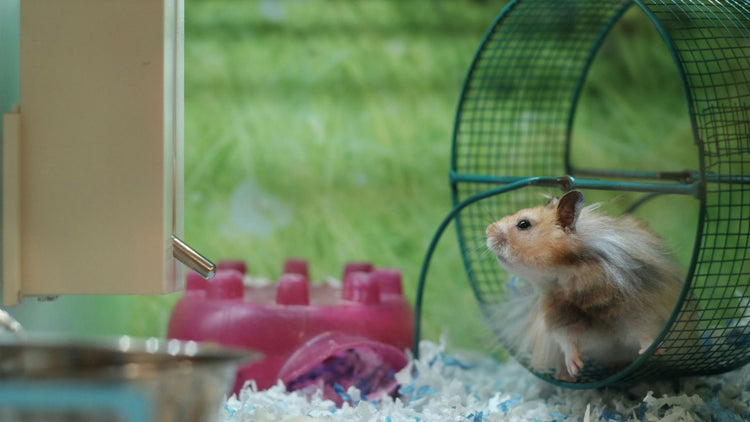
460	386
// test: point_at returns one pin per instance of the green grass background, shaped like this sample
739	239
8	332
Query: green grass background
322	129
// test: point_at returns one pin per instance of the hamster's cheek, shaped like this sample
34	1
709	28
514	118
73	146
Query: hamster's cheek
538	256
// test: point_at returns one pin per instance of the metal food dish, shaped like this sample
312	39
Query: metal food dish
44	377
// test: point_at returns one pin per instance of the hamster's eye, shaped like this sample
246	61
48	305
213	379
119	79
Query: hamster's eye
523	224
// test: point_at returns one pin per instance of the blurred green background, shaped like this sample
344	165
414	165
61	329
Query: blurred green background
322	129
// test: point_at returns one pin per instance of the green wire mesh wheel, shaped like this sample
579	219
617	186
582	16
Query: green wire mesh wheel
514	138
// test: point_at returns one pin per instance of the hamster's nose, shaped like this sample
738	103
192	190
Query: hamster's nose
495	235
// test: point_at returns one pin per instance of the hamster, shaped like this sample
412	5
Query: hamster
600	287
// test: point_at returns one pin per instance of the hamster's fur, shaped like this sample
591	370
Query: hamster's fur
600	287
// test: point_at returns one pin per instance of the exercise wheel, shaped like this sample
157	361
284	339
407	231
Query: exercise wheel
514	134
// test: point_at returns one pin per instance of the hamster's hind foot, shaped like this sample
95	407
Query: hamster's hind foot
563	375
573	360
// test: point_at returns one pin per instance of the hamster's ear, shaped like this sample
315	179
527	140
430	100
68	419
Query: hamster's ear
569	208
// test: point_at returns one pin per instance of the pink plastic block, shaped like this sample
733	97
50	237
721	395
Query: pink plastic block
277	321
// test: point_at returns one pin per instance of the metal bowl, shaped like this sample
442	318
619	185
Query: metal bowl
47	378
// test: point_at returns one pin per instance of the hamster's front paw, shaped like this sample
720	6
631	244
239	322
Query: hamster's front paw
658	352
646	343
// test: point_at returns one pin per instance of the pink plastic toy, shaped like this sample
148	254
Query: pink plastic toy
312	335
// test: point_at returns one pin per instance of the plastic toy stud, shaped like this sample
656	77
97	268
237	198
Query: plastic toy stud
361	287
226	284
349	269
292	290
352	267
389	280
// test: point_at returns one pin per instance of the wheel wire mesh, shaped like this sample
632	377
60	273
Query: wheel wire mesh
512	141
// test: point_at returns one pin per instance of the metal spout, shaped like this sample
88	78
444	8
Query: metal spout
190	257
8	323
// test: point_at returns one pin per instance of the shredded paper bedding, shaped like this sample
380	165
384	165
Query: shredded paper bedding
463	386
